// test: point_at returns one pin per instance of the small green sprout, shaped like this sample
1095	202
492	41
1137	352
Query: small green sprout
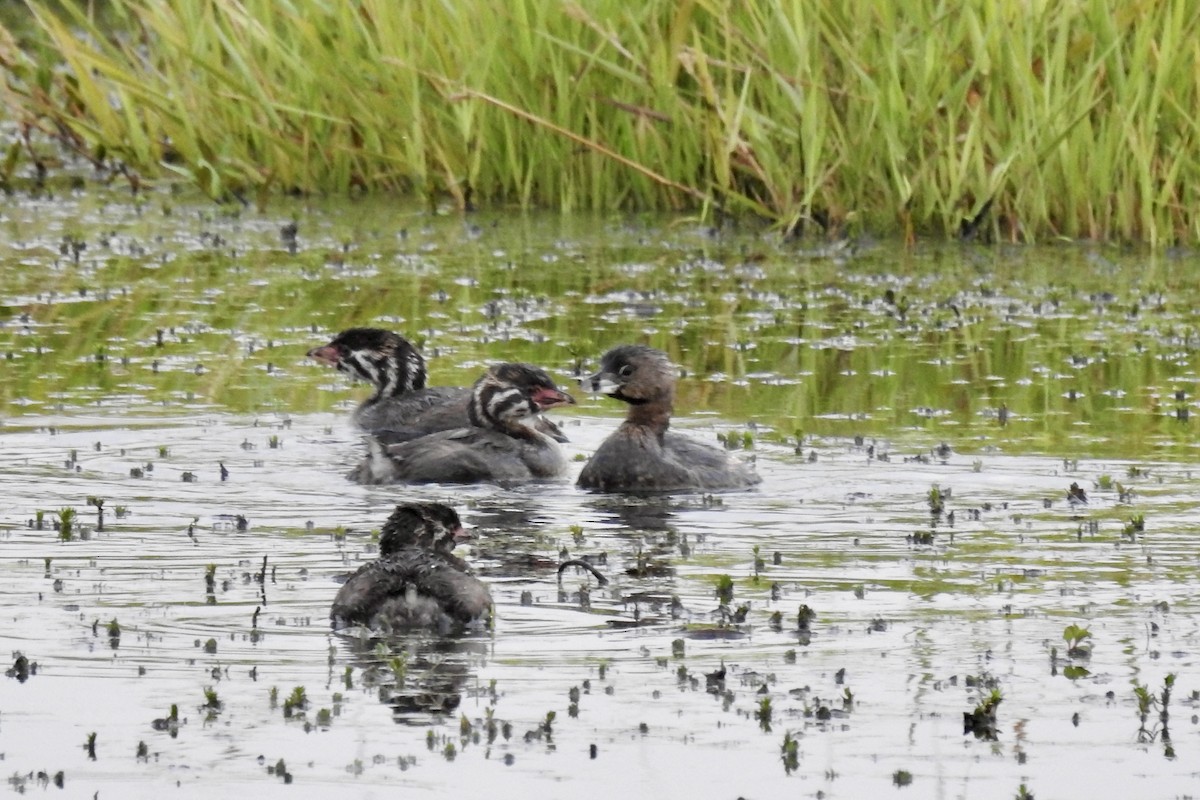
790	753
1075	637
66	524
725	589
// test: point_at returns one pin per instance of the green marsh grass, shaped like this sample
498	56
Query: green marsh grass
1013	121
1025	329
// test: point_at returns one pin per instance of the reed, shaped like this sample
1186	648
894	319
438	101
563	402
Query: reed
1014	120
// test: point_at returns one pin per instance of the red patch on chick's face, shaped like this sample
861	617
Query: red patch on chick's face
326	354
546	397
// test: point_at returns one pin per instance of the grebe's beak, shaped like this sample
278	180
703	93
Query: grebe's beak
547	398
326	354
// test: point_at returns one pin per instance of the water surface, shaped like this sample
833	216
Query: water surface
172	342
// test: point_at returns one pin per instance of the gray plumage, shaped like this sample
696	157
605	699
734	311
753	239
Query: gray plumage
402	407
502	445
416	582
643	455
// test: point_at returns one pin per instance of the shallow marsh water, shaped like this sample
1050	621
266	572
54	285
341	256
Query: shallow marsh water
173	343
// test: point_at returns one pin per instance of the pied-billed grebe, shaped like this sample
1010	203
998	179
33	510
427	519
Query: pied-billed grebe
416	582
396	369
503	443
402	405
642	455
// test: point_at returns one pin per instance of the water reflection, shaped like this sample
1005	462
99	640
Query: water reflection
419	676
863	620
634	514
929	341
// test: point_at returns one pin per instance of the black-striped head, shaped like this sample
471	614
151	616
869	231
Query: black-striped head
431	526
509	395
386	360
634	373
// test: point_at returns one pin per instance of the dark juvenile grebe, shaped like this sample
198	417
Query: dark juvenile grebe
402	405
642	455
416	582
502	444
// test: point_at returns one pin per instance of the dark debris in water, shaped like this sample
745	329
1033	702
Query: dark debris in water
22	668
982	720
968	343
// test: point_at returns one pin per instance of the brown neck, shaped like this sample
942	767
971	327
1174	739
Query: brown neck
654	414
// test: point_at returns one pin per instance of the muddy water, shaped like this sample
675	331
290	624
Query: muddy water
917	616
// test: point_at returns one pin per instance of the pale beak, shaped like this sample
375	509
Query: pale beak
547	398
326	354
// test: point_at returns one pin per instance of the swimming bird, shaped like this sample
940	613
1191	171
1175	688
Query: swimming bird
401	405
417	582
503	443
643	455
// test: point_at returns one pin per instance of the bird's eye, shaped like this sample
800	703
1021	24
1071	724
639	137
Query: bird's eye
625	371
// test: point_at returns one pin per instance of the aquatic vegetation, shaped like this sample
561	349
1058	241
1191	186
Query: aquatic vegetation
280	770
1071	672
736	441
790	753
398	664
922	538
993	128
1076	638
1135	525
212	704
993	588
724	590
296	703
1147	702
764	713
937	501
760	564
113	629
805	617
66	524
42	779
982	720
793	377
98	503
170	723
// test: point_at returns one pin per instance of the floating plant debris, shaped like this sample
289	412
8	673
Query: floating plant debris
983	344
